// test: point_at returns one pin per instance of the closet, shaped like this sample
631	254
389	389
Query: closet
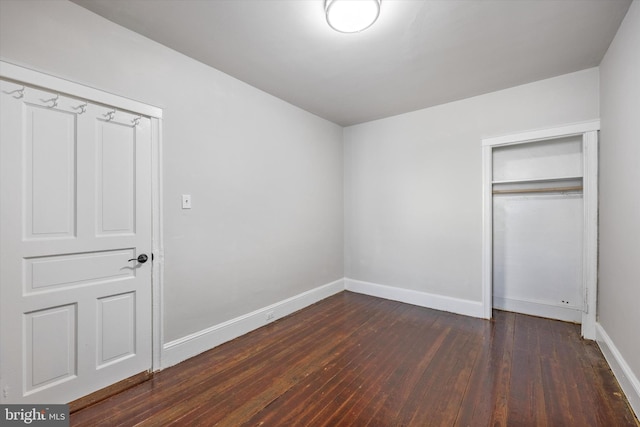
540	223
537	228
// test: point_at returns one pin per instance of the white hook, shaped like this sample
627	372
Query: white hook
136	121
54	101
19	93
82	108
110	115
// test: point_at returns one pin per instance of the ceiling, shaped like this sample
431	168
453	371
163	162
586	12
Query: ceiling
419	53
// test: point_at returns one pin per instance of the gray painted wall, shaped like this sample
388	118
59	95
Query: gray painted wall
413	183
619	270
265	176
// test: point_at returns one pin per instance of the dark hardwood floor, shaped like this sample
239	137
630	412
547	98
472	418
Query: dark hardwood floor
354	360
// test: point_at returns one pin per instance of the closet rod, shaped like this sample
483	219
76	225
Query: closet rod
539	190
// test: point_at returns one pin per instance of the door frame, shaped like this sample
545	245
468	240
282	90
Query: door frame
589	132
30	77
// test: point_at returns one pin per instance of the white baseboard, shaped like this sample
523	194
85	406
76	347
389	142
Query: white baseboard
628	380
538	308
422	299
191	345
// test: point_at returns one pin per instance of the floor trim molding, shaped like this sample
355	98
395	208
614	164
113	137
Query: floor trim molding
422	299
623	373
191	345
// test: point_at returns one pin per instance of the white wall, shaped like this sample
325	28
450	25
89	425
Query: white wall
413	183
265	176
619	275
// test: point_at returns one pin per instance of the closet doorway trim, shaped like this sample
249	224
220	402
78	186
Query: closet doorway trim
589	132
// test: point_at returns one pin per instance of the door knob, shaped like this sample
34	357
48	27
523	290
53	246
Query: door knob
142	258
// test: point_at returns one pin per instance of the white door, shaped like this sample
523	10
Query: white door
75	304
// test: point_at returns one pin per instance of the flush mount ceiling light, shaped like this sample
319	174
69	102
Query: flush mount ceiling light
351	16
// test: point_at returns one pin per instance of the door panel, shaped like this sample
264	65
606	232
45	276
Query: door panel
49	192
44	273
75	182
116	178
116	328
51	346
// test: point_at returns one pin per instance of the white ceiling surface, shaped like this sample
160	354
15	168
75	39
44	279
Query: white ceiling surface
418	54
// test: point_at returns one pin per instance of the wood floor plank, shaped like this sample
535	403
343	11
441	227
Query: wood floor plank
321	361
499	415
568	375
407	369
366	368
527	370
286	363
383	381
442	382
355	360
379	363
311	392
486	391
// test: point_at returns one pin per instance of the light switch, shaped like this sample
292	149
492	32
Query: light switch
186	201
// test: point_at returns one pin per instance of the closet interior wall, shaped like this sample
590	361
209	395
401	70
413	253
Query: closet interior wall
538	228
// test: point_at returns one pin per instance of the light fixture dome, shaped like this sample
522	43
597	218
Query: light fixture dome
351	16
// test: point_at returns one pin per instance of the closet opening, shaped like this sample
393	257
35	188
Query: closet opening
540	224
